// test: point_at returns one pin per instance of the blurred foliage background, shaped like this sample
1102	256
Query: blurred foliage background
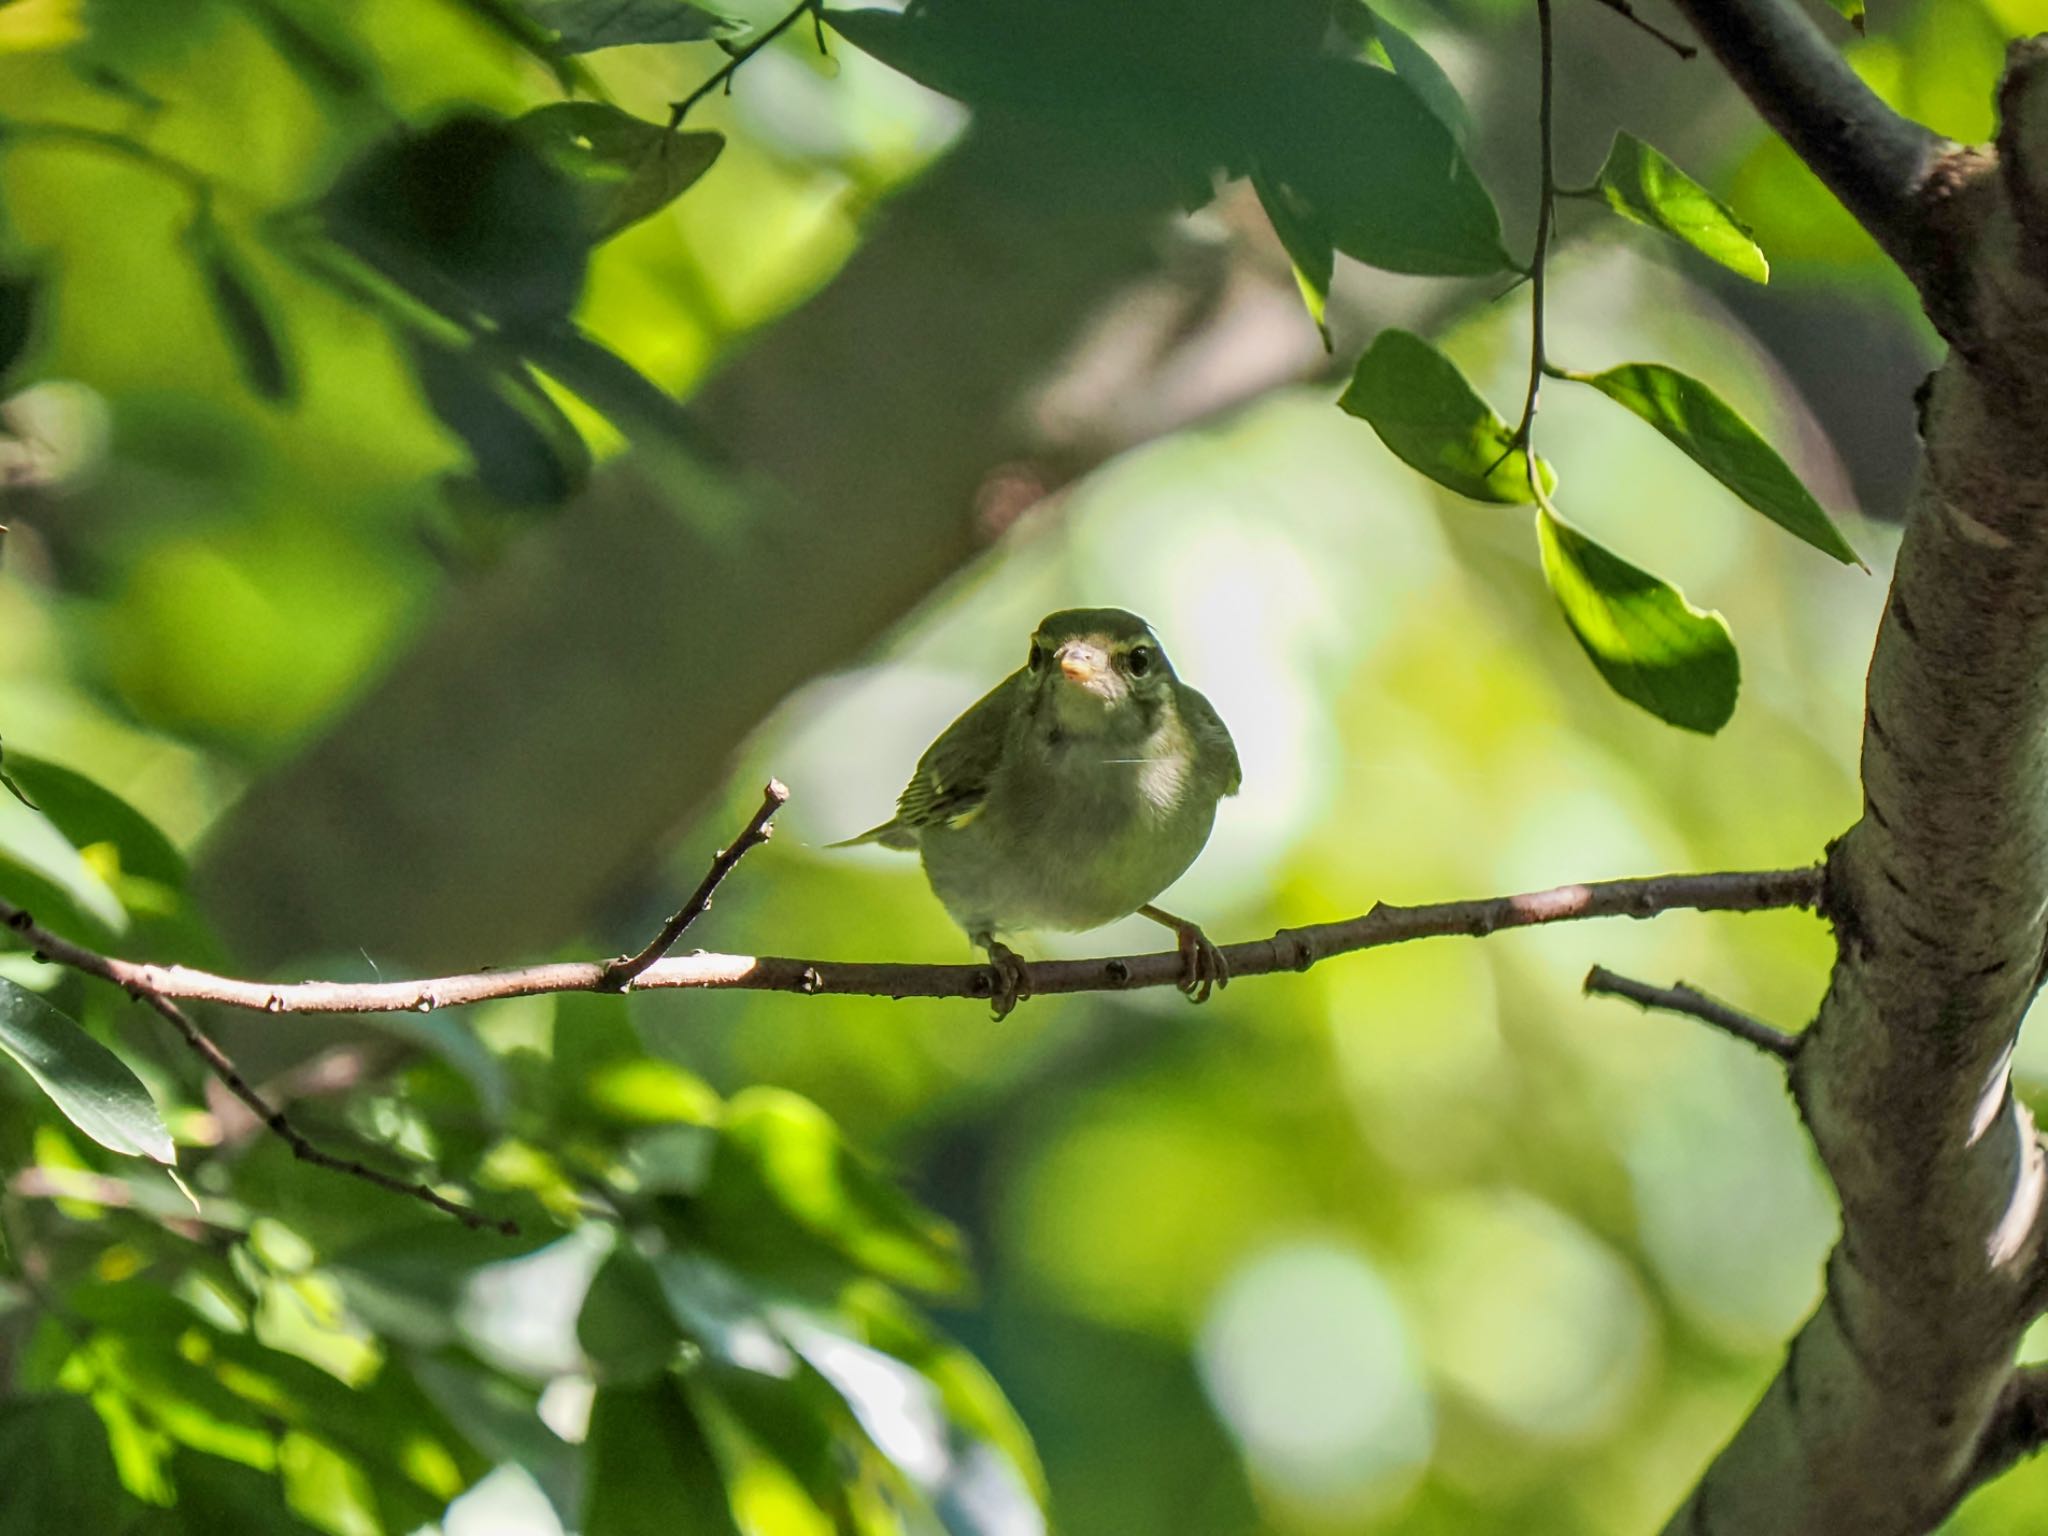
1419	1242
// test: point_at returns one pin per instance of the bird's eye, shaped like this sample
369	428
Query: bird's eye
1139	660
1037	659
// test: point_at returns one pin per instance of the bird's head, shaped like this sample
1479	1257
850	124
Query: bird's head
1095	666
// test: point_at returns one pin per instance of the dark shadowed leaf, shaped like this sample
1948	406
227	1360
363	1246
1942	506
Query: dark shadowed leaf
1653	647
624	167
470	218
1714	437
1308	248
1407	58
626	1326
20	295
1434	421
922	46
1639	183
87	815
60	1476
584	26
88	1082
224	1498
526	452
244	313
1387	179
650	1469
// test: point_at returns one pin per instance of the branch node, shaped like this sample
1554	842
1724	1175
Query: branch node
621	971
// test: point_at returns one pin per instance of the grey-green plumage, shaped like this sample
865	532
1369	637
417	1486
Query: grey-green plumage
1073	792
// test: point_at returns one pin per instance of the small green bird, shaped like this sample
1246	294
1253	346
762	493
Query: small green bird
1073	792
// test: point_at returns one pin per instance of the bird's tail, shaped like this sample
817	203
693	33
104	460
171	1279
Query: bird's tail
890	834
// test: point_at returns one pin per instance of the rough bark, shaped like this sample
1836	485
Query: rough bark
1899	1393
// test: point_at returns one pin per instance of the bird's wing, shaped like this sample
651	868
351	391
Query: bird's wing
953	776
1213	746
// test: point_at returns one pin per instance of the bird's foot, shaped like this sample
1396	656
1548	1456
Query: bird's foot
1009	978
1203	968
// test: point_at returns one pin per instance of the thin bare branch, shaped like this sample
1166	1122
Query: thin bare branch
305	1151
1628	14
1690	1001
619	973
1291	949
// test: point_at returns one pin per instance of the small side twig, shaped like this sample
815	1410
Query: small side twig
722	78
222	1067
620	971
1690	1001
1628	14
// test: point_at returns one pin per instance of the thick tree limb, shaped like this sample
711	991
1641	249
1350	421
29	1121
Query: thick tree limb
1939	895
1871	157
1291	949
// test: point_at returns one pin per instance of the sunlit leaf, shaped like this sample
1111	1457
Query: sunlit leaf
1653	647
584	26
1851	11
87	814
650	1470
312	44
781	1151
28	26
88	1082
1434	421
1308	247
1387	179
624	167
1714	437
244	314
1639	183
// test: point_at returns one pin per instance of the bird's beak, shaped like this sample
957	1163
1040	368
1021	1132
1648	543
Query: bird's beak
1083	663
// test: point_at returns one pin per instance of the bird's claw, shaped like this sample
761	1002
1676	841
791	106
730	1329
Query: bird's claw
1009	979
1203	968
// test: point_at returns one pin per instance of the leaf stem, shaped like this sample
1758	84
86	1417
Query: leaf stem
722	78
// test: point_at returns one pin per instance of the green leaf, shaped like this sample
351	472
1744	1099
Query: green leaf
223	1498
527	453
1714	437
88	1082
1653	647
780	1151
60	1474
625	1325
20	297
922	45
88	815
1381	173
469	218
1852	12
1435	422
1407	58
1639	183
650	1469
243	313
584	26
624	168
1308	247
